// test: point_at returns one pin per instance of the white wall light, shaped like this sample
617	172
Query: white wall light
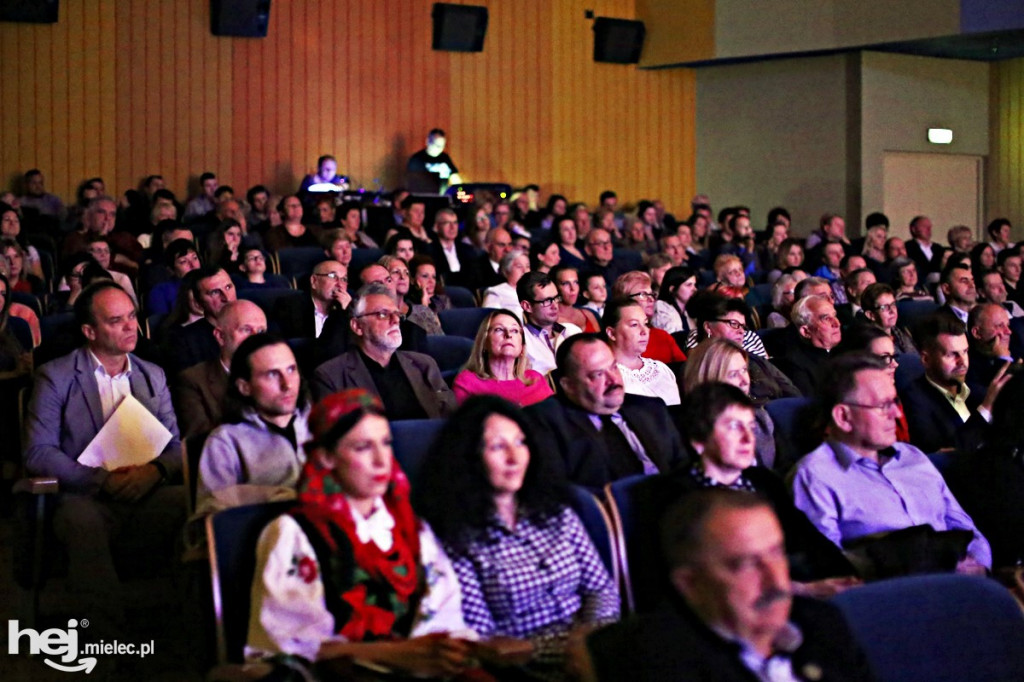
940	135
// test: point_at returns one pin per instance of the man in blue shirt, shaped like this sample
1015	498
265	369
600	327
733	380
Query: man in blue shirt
860	481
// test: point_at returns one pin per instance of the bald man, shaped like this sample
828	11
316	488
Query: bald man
200	390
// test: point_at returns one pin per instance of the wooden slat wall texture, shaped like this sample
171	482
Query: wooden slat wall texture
1005	174
125	88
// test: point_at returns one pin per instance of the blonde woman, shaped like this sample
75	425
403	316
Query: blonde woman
722	360
498	364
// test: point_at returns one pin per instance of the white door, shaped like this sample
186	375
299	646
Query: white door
945	187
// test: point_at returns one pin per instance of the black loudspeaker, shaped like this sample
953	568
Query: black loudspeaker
618	41
240	18
29	11
459	28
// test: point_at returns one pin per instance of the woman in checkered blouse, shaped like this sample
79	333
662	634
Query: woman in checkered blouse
528	571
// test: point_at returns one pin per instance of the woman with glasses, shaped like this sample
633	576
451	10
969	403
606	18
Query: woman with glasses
721	317
636	286
498	364
879	304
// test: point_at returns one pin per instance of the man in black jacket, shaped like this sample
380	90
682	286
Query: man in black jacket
942	411
602	433
733	616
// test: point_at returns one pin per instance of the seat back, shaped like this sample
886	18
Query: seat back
192	449
450	352
599	527
266	298
909	368
360	259
231	537
461	297
794	436
774	340
411	441
937	628
462	321
298	261
910	311
620	496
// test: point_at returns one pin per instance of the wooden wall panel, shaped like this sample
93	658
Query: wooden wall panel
1005	172
125	88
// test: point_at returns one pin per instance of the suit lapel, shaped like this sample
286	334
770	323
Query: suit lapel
84	375
423	392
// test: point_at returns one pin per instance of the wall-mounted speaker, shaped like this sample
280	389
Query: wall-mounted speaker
618	41
29	11
459	28
240	18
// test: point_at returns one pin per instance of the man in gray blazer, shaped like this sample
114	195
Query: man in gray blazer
73	397
409	384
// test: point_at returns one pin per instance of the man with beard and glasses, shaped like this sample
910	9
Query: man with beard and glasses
732	606
602	433
409	384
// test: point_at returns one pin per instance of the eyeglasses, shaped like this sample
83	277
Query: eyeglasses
334	276
643	294
885	307
507	333
887	358
886	408
733	324
385	315
546	302
398	272
605	242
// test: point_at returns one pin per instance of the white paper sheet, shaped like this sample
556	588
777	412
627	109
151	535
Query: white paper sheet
132	436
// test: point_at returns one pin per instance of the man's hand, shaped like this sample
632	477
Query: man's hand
130	484
970	566
1000	379
343	298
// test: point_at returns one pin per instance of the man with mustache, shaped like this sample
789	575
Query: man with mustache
602	433
860	482
733	616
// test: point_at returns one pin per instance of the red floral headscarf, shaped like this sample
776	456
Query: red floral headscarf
379	589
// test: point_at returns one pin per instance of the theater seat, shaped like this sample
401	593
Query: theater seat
462	321
937	628
794	438
412	440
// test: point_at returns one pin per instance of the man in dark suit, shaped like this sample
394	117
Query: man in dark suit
409	384
926	254
193	343
734	613
601	257
817	331
602	433
328	292
484	270
74	396
452	258
199	394
988	336
942	411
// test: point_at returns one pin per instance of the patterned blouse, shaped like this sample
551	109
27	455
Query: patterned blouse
536	582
